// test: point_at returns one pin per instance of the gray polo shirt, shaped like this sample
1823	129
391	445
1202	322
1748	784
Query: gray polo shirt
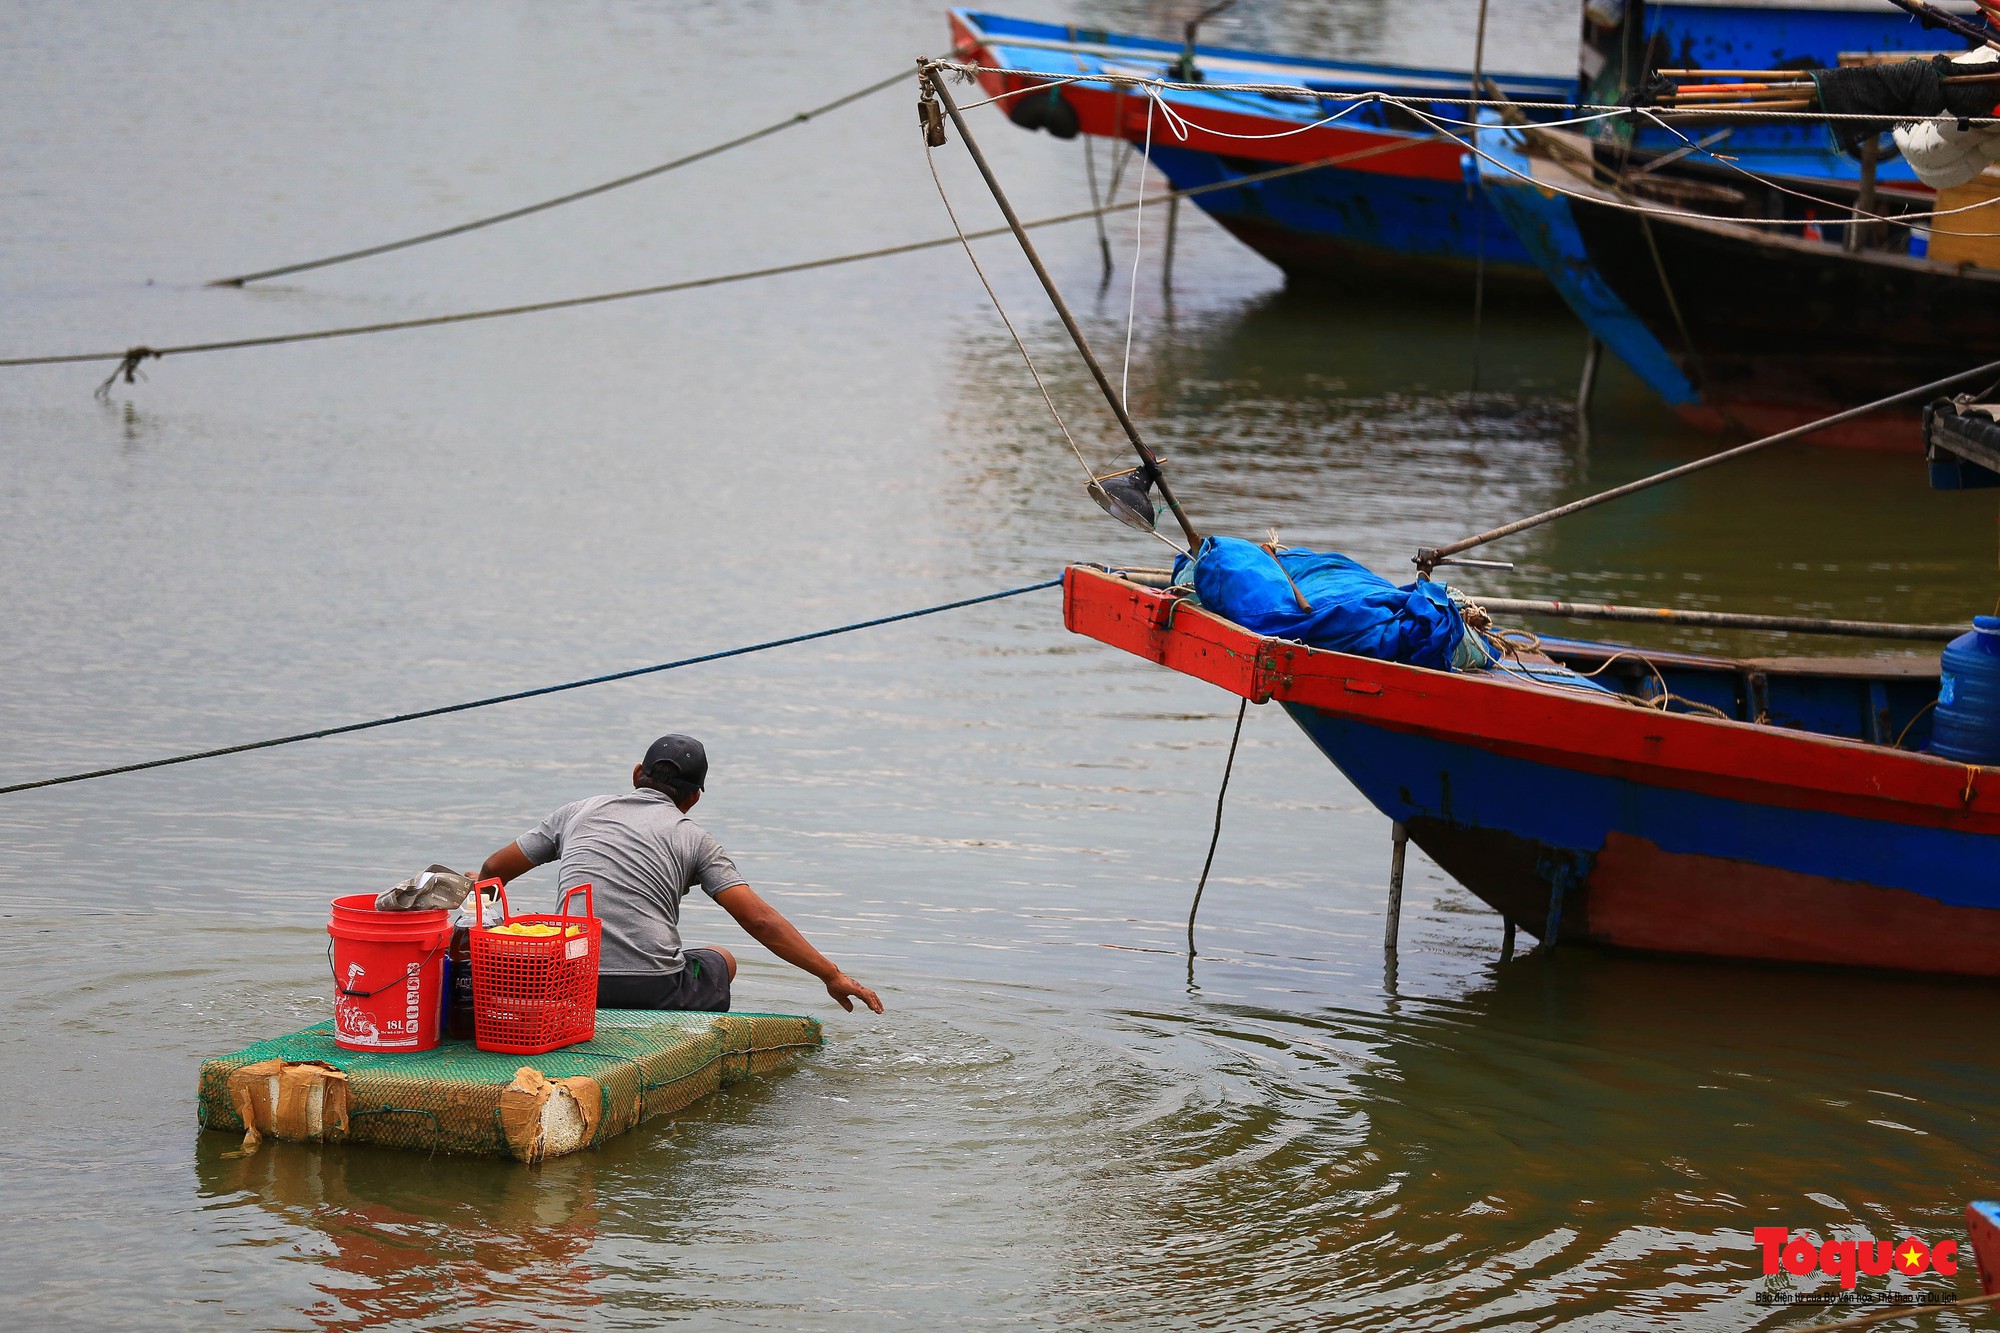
640	855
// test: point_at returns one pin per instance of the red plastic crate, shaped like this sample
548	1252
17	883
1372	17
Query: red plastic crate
532	994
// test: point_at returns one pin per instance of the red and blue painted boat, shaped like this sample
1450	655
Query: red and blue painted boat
1784	824
1399	212
1982	1221
1395	209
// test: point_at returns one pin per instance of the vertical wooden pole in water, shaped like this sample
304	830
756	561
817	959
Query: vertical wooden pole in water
1475	202
1097	205
1167	268
1587	390
1864	198
1507	942
1399	842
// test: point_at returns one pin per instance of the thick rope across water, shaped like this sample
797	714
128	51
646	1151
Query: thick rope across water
570	198
536	692
128	361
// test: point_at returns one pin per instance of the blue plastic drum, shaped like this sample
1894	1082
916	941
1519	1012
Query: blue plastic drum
1967	728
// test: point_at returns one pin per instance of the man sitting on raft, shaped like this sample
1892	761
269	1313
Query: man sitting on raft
641	854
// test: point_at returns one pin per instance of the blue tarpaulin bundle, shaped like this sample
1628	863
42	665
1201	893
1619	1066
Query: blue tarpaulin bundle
1346	608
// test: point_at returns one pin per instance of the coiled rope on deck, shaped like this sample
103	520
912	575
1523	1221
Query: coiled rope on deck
605	187
536	692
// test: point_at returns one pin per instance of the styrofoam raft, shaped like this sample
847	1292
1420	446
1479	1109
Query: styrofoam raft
459	1099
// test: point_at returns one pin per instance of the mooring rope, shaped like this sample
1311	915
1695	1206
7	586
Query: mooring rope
712	151
1222	794
536	692
129	360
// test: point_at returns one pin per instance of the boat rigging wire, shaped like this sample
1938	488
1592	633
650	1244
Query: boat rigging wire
1623	205
536	692
1297	92
930	160
1479	228
130	359
1138	249
605	187
1427	558
1772	183
1149	462
1181	123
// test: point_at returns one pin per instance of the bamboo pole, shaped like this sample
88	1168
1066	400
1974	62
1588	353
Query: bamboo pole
1744	87
1860	629
1728	73
1724	108
1428	557
1734	98
1663	615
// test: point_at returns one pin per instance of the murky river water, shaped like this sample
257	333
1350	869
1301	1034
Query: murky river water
996	823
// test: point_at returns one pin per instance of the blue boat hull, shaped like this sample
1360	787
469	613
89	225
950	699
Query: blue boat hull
1361	229
1403	216
1546	228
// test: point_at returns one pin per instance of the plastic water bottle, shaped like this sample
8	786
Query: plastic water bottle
1967	727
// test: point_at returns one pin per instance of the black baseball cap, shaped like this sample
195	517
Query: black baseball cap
677	759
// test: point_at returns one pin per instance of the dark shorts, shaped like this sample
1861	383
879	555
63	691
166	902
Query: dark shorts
703	984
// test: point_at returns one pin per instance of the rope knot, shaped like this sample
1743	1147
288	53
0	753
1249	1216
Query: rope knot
128	366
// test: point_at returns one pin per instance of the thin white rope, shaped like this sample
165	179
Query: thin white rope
1295	92
1781	188
1626	206
1359	101
930	159
1180	122
1138	248
1852	218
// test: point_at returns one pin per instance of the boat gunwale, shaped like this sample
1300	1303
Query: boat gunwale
1559	85
1565	729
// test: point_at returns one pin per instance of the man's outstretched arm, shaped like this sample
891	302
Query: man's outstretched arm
767	925
506	865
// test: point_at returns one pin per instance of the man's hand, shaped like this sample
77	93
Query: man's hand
847	990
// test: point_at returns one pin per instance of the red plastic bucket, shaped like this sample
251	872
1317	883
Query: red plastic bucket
388	975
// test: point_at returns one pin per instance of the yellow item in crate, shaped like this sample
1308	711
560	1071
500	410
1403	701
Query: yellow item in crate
535	930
